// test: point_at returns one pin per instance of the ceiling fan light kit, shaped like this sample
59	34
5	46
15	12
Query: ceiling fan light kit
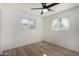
45	10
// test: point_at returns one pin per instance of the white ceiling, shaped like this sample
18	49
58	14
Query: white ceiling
58	8
26	7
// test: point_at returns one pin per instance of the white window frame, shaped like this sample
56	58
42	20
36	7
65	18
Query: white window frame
28	24
60	28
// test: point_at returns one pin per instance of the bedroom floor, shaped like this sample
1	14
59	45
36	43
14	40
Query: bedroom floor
40	49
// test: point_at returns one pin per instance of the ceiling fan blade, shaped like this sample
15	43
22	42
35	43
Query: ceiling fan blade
43	5
52	5
42	13
35	8
51	10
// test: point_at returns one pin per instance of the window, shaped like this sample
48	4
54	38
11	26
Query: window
60	23
28	23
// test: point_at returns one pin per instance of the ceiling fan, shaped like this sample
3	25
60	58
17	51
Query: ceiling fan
45	8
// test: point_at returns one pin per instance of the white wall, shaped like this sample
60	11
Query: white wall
66	38
12	32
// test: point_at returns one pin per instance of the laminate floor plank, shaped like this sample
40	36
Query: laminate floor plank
52	51
40	49
62	49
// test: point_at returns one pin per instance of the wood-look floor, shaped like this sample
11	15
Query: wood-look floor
39	49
